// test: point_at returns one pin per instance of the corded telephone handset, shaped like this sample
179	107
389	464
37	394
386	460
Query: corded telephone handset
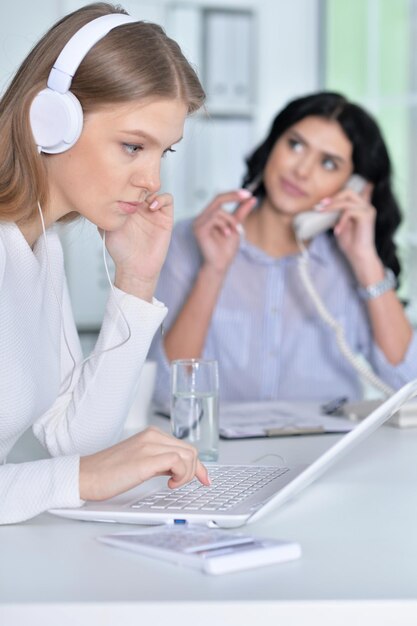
306	226
310	223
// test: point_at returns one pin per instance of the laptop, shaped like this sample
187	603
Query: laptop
240	494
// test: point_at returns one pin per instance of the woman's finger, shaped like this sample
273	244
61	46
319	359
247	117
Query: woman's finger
346	204
243	209
156	202
158	437
230	196
353	216
201	472
221	220
179	465
367	191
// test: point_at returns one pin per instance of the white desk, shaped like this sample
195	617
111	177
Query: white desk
357	526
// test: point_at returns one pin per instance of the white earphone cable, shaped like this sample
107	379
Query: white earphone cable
338	330
129	332
59	302
48	264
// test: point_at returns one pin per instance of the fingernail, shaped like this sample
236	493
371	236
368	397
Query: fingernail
240	229
154	204
322	204
244	193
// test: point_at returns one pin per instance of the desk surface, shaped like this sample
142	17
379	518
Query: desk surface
357	526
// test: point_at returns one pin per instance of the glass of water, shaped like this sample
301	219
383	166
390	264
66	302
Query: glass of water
195	405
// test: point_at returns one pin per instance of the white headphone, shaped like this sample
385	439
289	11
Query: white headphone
56	116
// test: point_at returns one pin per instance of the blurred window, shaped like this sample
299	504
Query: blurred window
369	54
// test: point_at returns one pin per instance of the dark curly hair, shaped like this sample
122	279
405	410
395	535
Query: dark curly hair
370	159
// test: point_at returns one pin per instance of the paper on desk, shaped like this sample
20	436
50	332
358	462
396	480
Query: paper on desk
257	419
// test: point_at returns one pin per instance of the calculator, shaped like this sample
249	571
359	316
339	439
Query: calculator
211	550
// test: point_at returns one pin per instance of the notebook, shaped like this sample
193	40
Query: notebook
240	494
278	419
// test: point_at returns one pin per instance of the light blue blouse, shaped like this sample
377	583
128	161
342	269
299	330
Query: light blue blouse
266	334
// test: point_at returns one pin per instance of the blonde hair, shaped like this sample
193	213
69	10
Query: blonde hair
133	62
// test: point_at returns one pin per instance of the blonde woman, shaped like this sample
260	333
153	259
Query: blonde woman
98	158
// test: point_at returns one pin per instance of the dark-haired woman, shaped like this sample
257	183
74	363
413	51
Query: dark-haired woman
232	281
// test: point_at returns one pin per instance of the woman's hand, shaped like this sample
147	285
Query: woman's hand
355	232
134	460
139	248
217	231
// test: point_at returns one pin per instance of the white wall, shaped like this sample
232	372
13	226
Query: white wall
287	41
20	26
288	54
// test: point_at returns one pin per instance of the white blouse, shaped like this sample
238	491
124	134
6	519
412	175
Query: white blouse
265	332
36	367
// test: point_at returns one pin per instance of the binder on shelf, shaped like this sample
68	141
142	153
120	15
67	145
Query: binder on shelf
215	158
228	54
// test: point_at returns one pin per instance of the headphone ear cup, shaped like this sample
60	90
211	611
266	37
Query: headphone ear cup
56	120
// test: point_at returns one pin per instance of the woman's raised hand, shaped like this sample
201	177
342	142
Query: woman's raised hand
355	231
131	462
218	232
139	248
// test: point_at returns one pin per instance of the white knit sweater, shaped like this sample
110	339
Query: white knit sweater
35	367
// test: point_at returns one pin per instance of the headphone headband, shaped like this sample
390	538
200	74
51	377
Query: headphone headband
79	45
56	116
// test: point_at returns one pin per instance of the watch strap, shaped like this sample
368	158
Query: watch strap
377	289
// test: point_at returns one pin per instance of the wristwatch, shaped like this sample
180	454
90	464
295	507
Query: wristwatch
377	289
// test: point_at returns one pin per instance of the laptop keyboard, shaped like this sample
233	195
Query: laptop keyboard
230	486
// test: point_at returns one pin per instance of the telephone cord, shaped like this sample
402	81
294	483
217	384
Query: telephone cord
338	330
